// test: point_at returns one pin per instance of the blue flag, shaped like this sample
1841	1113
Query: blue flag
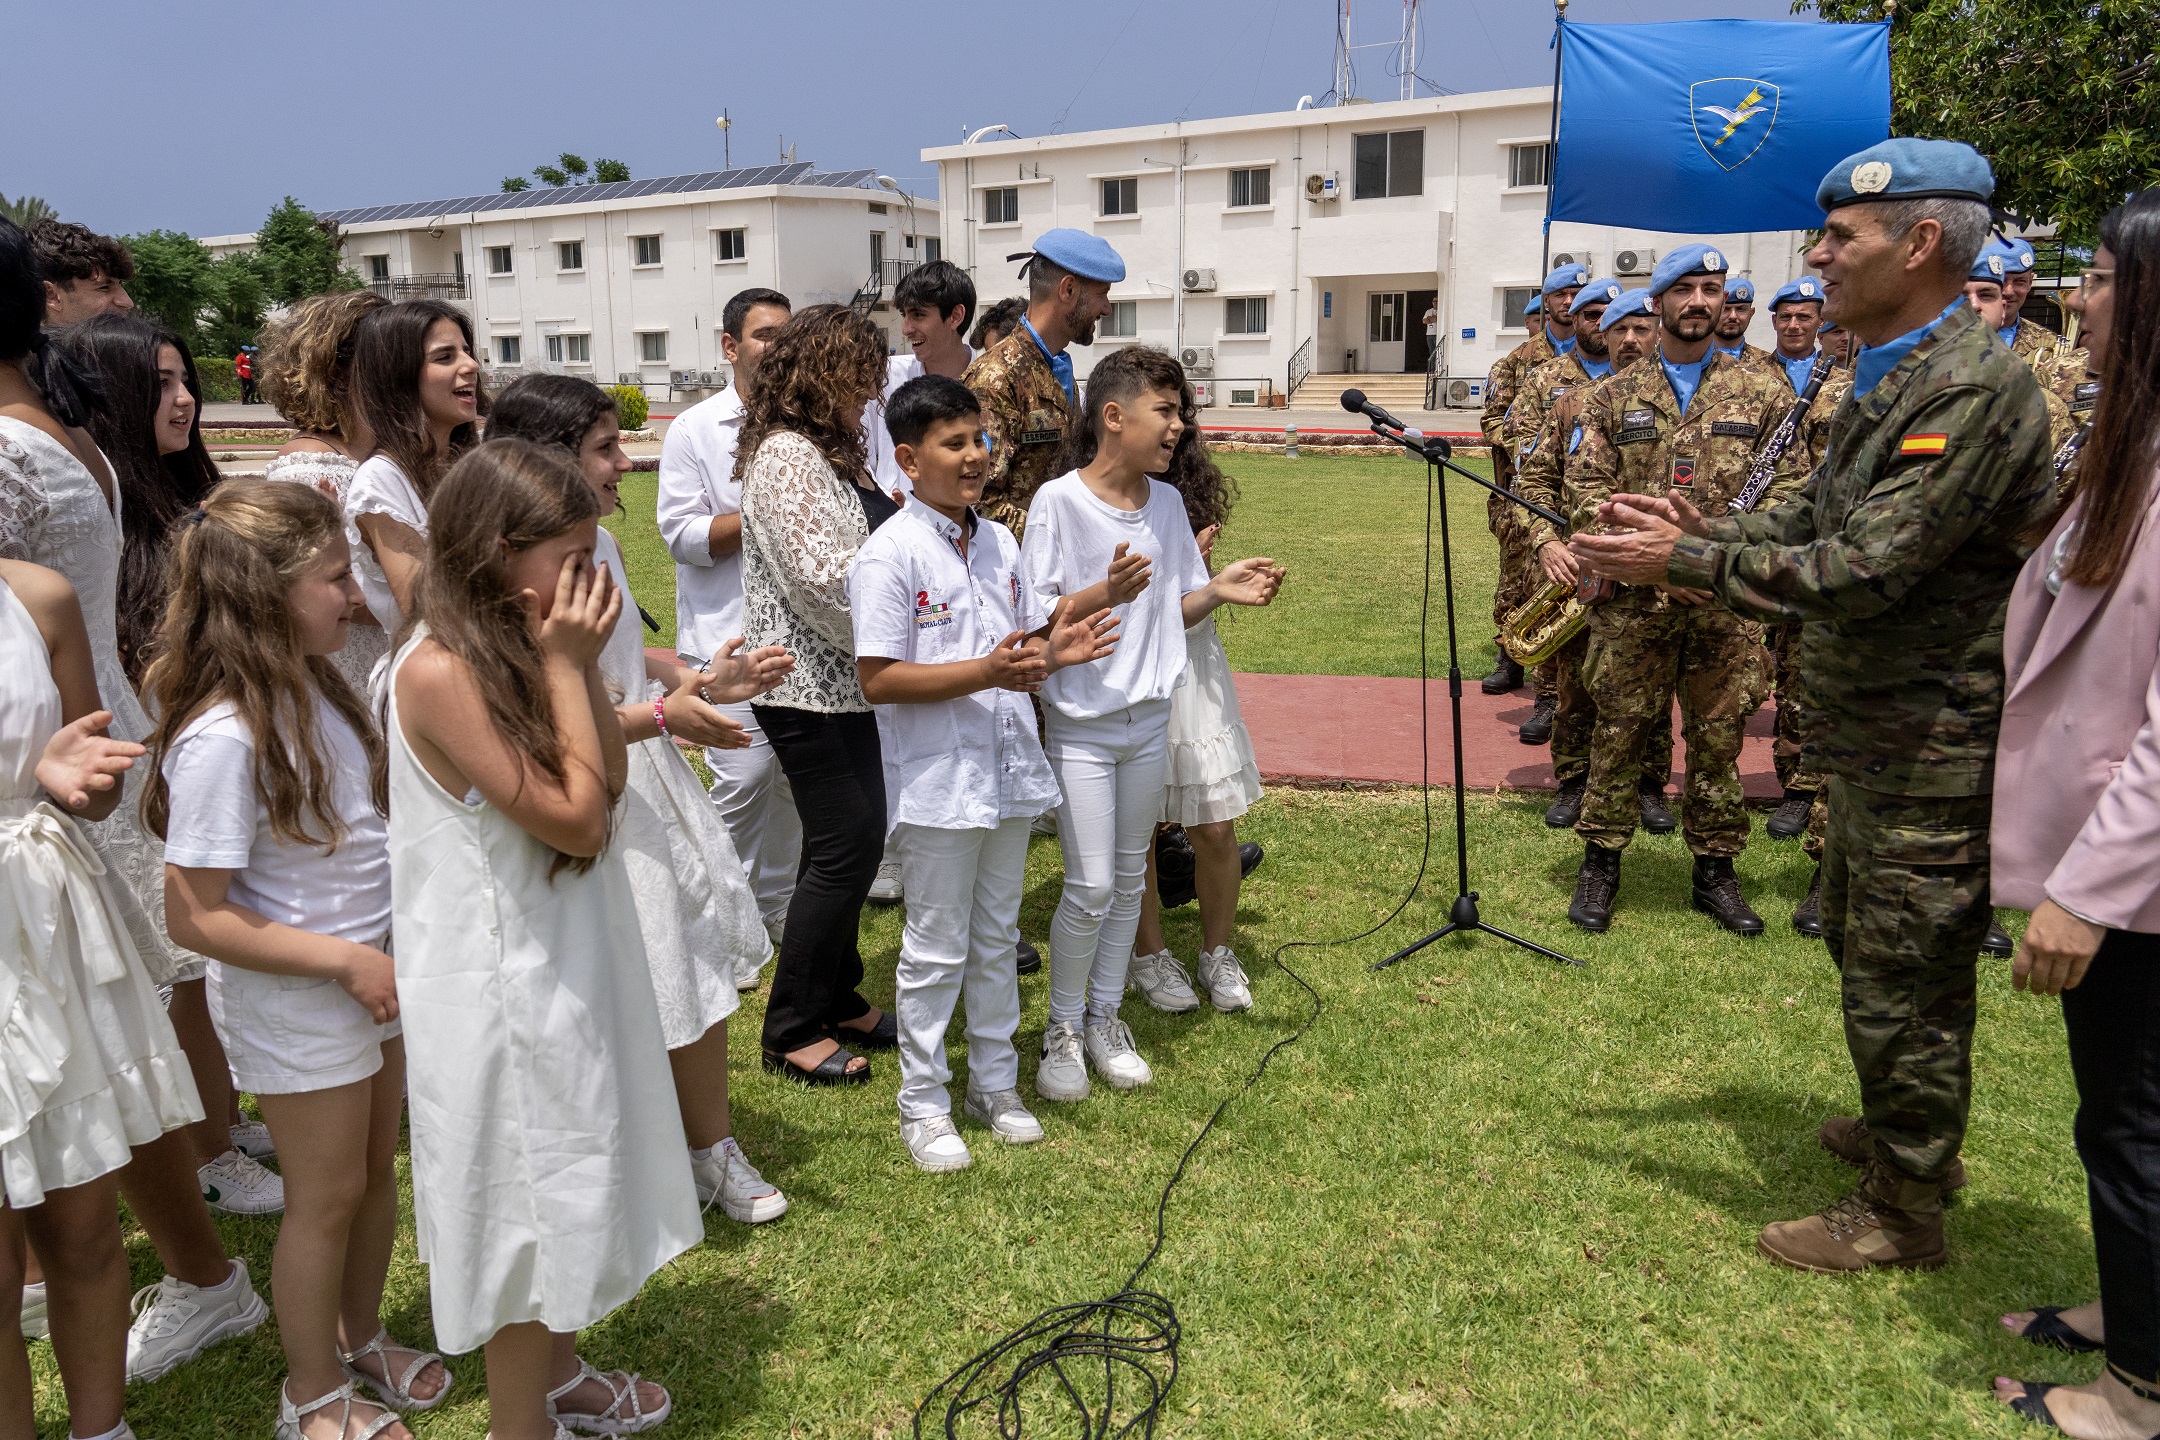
1713	126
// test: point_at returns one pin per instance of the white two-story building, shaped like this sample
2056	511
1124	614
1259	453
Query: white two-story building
1264	249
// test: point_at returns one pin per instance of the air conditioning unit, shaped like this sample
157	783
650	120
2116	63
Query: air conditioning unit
1199	280
1463	393
1571	257
1245	394
1323	187
1203	391
1199	359
1635	262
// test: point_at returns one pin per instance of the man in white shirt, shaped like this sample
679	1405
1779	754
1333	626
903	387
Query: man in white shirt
700	515
936	304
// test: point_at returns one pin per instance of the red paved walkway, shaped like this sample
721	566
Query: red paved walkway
1349	728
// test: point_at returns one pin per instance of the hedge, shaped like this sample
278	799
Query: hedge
630	406
218	381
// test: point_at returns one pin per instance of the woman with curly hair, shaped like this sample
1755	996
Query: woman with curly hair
808	503
307	373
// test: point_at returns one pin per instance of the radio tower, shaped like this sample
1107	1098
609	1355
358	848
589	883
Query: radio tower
1404	45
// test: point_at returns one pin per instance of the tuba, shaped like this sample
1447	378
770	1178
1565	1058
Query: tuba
1541	626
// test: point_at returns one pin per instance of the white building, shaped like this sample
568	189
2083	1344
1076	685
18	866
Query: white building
626	281
1264	248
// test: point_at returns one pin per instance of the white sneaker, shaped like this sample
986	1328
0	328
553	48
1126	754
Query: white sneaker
35	1326
252	1139
1227	987
885	890
1111	1055
775	927
1002	1111
934	1145
176	1321
1062	1075
726	1175
1044	824
233	1184
748	976
1164	982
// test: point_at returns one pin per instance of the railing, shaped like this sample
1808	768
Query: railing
1300	368
1433	381
420	287
883	274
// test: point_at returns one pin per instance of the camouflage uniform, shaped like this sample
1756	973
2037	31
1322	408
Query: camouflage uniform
1643	647
1753	354
2032	341
1532	434
1025	417
1520	577
1898	558
2071	389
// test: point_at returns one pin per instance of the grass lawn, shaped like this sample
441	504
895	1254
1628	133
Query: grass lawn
1486	1196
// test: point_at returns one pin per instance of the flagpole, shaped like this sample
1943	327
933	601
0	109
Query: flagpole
1552	147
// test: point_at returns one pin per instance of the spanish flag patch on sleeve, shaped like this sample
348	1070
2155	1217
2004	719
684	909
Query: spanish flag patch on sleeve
1924	445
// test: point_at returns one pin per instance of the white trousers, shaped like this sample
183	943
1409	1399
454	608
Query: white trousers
1111	770
963	926
758	808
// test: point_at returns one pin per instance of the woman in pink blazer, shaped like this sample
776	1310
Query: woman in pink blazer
2077	829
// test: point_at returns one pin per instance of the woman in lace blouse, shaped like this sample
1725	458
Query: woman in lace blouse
808	502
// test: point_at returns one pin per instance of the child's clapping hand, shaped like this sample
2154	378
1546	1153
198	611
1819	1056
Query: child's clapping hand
81	762
1075	639
1129	575
1016	664
736	674
1249	582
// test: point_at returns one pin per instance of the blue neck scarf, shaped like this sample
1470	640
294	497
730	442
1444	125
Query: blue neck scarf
1598	369
1879	360
1683	378
1560	346
1797	371
1060	363
1730	353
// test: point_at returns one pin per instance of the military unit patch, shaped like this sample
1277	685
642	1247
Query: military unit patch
1924	445
2084	397
1743	429
1683	472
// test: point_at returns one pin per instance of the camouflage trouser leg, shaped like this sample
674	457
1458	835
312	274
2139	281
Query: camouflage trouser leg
1637	663
1818	825
1793	770
1500	518
1576	717
1904	908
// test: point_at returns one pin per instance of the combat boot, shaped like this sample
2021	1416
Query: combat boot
1537	730
1888	1220
1596	886
1789	821
1848	1138
1807	918
1566	807
1657	816
1506	676
1998	944
1717	894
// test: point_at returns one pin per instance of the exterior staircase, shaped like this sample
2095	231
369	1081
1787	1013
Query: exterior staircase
1399	393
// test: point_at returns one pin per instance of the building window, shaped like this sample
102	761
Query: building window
730	244
933	249
378	267
498	259
508	349
457	265
1251	187
1123	321
1002	205
1246	315
1513	303
652	347
1384	317
570	349
877	252
645	250
1121	197
570	255
1529	165
1390	164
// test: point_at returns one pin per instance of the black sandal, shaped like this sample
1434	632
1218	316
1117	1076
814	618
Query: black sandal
2048	1328
2033	1403
832	1070
885	1035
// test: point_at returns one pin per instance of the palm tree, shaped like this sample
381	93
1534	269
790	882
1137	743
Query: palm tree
27	210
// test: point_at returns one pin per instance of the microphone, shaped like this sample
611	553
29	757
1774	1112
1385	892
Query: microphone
1355	402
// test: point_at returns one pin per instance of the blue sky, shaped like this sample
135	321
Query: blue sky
199	116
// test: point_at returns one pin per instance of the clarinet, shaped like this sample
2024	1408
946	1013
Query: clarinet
1762	470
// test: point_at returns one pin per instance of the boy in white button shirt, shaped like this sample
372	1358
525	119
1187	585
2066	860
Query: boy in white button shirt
935	599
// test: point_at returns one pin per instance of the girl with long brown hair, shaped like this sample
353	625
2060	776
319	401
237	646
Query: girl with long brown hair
268	786
808	502
549	1171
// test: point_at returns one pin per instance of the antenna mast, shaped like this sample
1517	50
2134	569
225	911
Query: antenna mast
1405	46
1409	48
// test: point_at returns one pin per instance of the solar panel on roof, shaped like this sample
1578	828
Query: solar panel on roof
800	172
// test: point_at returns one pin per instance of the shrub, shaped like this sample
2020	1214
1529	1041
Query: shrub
218	380
630	406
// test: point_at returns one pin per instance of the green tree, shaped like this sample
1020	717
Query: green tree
236	294
607	172
2062	96
570	169
514	183
297	255
27	210
172	281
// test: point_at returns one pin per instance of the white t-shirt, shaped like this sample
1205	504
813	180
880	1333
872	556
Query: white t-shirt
380	487
697	482
219	822
899	369
1071	535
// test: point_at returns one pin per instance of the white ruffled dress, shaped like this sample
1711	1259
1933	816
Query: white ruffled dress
1212	774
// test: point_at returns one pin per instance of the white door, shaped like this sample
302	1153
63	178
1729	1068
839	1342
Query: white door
1385	320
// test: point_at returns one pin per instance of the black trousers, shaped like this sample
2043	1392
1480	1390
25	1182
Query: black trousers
834	766
2113	1020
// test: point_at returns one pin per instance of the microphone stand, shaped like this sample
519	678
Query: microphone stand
1463	916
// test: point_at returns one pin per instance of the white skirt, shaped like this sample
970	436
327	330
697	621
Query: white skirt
1212	774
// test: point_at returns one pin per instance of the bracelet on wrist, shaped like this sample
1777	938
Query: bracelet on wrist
659	715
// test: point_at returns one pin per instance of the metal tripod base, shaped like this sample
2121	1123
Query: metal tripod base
1462	919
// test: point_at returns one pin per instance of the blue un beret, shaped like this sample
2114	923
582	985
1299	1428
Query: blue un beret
1740	291
1807	287
1567	277
2017	256
1631	302
1087	256
1536	306
1988	265
1604	292
1906	168
1687	260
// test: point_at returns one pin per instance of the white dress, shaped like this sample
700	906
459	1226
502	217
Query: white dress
332	473
694	906
1212	775
53	513
379	487
550	1179
89	1065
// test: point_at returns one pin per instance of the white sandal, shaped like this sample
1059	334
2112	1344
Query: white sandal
290	1415
397	1393
625	1413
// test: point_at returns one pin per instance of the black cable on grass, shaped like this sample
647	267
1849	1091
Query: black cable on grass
1088	1351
